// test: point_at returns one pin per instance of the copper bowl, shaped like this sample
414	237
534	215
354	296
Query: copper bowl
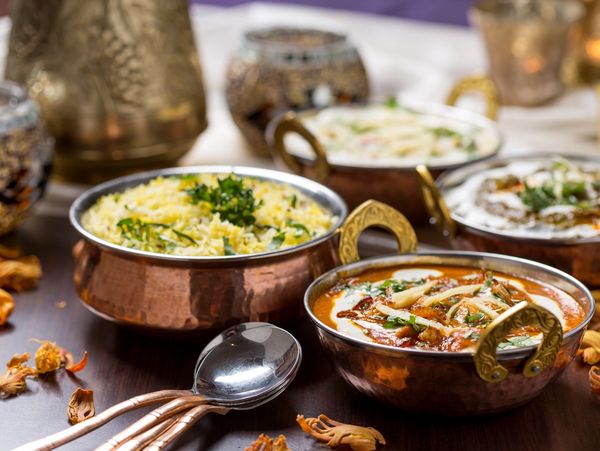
457	383
579	257
178	293
396	186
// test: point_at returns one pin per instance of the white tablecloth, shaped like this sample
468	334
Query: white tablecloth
418	60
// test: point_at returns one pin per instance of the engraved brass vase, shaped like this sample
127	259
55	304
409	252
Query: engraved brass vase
118	81
285	68
457	383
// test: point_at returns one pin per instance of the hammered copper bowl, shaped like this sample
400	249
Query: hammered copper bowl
185	294
396	186
457	383
579	257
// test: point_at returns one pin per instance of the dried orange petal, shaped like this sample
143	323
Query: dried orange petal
7	305
333	433
9	252
81	406
70	364
17	360
266	443
594	378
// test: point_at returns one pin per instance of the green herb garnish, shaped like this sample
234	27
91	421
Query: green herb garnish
277	241
391	102
475	318
230	199
149	233
227	248
489	279
517	342
393	322
184	236
300	228
294	201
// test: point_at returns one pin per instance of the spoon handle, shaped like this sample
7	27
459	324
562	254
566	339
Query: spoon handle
182	424
155	417
139	441
69	434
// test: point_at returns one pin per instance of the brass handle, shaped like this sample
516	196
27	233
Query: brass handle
374	214
435	202
481	84
289	123
522	314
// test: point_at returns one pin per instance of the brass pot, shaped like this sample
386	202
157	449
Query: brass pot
177	293
118	83
283	68
396	186
579	257
457	383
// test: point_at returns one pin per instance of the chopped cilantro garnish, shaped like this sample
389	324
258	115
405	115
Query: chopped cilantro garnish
391	102
227	248
300	228
517	342
277	241
475	318
393	322
230	199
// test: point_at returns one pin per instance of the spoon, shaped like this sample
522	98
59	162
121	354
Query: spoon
241	368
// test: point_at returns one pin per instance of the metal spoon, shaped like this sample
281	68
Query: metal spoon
242	368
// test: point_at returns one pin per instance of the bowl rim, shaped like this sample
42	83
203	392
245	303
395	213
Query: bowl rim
396	259
309	187
421	107
480	166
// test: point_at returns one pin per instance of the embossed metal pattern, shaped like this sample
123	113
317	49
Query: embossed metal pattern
280	69
118	82
438	382
374	214
477	84
25	155
520	315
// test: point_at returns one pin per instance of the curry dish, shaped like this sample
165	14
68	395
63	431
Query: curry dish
443	308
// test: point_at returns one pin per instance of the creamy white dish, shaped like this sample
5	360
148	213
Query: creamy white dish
391	135
545	198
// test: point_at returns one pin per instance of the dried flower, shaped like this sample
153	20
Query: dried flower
334	433
9	252
50	357
13	381
61	305
7	305
81	406
594	378
20	274
590	347
266	443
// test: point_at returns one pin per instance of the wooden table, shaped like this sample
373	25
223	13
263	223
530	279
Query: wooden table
123	364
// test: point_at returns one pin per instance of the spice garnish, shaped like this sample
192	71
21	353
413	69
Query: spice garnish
50	357
227	247
333	433
81	406
230	199
7	305
590	347
266	443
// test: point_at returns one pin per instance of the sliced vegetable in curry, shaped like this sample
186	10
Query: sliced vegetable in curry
437	308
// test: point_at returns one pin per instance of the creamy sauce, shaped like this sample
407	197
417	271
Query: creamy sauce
505	211
382	136
437	307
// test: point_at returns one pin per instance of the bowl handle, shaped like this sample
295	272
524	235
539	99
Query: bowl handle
435	202
481	84
372	213
520	315
289	123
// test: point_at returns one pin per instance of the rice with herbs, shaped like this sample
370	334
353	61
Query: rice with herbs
208	215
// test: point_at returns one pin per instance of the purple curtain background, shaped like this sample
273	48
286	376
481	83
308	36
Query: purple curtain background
445	11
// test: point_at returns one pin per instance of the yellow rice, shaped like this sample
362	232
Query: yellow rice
164	200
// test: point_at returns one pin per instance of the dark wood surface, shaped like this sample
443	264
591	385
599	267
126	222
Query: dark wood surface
124	363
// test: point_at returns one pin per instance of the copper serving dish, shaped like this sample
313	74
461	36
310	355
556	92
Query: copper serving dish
579	257
396	186
178	293
457	383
